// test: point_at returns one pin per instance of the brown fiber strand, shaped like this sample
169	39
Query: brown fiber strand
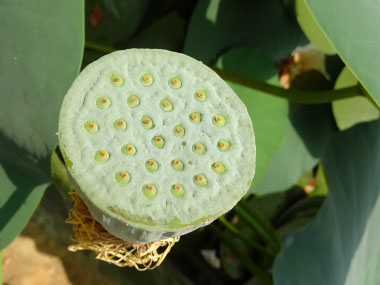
90	235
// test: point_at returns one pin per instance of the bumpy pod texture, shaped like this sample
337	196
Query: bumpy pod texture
156	143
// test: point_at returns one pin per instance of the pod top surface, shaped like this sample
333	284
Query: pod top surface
156	139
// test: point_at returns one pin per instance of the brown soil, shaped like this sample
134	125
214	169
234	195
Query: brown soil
25	264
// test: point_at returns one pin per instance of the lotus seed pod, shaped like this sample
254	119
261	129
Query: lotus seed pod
156	144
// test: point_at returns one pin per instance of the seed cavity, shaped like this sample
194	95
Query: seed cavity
177	165
151	165
116	80
218	167
128	149
119	125
101	155
195	117
149	190
91	127
179	131
199	148
147	123
200	180
175	82
133	101
166	105
200	95
158	141
103	102
122	177
177	190
223	145
146	79
219	120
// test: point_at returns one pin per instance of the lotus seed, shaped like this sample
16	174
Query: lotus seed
195	118
147	123
151	165
200	95
223	145
219	120
103	102
177	190
116	80
91	127
179	131
128	149
146	79
101	155
149	190
218	167
175	82
158	141
177	165
122	177
166	105
200	180
119	125
133	101
199	148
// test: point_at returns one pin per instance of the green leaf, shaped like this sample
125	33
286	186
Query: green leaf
167	32
351	111
217	25
308	130
341	245
268	113
321	186
353	29
112	22
22	187
39	59
311	29
291	160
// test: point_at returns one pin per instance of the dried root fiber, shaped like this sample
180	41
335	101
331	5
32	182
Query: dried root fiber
90	235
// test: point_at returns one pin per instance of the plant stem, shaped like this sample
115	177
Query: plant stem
299	96
294	95
253	221
98	48
245	259
250	242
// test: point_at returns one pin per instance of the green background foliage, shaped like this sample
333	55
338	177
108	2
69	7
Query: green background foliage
341	245
40	56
